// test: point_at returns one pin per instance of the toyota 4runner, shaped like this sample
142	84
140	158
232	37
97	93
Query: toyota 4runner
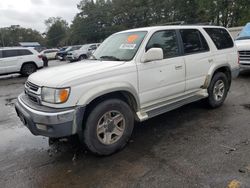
133	76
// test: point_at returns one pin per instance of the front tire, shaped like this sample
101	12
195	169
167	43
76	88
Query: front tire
108	127
28	68
218	90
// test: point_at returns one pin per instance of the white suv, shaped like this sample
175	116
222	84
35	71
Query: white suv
19	60
243	45
133	75
83	53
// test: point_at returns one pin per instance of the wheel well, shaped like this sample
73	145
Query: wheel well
122	95
29	62
227	72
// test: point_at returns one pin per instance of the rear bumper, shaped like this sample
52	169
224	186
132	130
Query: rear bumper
50	122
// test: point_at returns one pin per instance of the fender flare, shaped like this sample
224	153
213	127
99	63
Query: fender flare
211	72
99	91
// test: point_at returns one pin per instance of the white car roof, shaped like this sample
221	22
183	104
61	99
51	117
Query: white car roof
155	28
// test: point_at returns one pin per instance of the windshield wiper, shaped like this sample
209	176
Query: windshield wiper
110	57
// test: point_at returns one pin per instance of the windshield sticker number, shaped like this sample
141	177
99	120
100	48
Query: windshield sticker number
128	46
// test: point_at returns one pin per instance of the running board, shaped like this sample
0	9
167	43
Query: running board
142	115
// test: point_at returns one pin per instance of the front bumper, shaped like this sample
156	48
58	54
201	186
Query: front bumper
244	66
47	121
71	58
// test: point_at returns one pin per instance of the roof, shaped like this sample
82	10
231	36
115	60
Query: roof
29	44
148	29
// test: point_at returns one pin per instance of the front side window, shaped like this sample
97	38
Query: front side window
10	53
220	37
167	41
120	47
193	41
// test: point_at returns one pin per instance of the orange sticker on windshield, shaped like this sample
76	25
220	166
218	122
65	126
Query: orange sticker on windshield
132	38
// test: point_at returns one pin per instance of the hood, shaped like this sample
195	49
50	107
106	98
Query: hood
57	76
243	45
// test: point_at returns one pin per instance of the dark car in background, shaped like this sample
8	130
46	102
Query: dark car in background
63	52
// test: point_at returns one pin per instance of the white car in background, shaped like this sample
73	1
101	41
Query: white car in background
83	53
243	44
50	53
19	60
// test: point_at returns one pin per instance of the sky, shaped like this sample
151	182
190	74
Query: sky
33	13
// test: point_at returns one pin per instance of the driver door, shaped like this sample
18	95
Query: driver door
161	79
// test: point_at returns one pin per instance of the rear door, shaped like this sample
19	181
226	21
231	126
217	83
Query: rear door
2	66
198	58
11	59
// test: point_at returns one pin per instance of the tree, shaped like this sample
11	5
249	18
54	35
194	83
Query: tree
11	36
57	32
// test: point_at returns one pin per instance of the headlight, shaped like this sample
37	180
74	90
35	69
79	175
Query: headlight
56	96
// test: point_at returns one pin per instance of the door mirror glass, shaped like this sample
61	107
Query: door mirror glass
153	54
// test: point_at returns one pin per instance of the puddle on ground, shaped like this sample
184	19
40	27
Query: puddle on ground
10	101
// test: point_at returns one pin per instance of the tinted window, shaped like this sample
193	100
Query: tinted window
167	40
24	52
193	41
1	54
10	53
220	37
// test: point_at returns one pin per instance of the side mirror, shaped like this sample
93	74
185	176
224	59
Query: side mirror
153	54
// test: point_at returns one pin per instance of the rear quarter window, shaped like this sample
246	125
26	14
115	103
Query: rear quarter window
24	52
220	37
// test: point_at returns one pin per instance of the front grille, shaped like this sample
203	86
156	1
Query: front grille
33	99
244	55
32	92
32	86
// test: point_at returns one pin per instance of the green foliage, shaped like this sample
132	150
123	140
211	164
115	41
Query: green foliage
11	36
57	32
100	18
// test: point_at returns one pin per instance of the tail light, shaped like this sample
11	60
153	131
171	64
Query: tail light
40	56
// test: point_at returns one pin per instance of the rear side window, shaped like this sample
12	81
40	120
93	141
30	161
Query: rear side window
167	40
220	37
193	41
24	52
10	53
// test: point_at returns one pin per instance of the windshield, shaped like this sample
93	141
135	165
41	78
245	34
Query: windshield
120	47
245	33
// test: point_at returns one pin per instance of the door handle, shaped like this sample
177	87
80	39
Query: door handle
178	67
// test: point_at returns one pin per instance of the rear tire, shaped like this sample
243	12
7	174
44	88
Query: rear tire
28	68
108	127
218	90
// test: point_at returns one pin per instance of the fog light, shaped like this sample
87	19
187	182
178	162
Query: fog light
42	127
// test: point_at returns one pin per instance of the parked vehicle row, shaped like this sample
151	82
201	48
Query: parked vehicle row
83	53
134	75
